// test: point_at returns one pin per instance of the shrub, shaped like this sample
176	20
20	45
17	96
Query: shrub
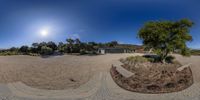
82	52
24	49
33	54
155	58
8	53
94	53
137	59
132	60
170	59
46	50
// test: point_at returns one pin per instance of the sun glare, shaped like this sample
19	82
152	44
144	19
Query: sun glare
44	32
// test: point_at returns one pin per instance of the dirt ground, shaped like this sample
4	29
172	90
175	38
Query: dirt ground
54	73
154	78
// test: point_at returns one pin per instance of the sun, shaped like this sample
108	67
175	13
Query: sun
44	32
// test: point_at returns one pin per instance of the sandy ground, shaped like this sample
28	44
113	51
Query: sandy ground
59	72
100	87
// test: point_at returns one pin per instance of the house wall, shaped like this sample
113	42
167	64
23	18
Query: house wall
114	51
104	51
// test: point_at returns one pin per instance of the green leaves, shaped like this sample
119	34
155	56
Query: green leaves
166	36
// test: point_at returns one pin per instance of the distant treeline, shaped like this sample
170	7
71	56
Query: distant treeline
195	52
70	46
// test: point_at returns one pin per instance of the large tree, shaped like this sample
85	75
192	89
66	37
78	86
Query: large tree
112	43
166	36
52	45
70	43
24	49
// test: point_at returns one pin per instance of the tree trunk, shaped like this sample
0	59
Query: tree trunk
164	55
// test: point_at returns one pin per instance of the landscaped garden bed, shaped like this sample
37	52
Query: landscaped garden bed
152	77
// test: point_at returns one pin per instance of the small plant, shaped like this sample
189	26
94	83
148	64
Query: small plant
33	54
139	59
133	60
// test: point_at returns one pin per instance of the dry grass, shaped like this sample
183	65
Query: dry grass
153	77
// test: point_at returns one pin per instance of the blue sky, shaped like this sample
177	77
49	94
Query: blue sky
90	20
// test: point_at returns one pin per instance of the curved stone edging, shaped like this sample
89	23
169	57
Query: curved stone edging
191	93
22	90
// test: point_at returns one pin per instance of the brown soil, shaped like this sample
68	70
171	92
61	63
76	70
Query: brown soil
154	78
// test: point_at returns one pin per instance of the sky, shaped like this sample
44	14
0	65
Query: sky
23	21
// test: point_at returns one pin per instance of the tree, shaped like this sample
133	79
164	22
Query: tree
70	41
24	49
91	46
166	36
34	48
77	46
61	47
52	45
46	50
40	46
14	49
113	43
35	45
77	41
70	45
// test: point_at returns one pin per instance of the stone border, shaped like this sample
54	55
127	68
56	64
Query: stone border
115	69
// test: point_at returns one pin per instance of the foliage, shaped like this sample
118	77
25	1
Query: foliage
170	59
46	50
71	46
8	53
195	52
138	59
24	49
134	60
52	45
83	52
14	49
61	47
166	36
33	54
112	44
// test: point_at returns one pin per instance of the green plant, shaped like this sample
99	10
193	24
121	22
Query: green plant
166	36
8	53
24	49
135	59
83	52
46	50
33	54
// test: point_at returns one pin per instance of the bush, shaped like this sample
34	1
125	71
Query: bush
46	50
156	58
135	59
33	54
83	52
24	49
94	53
8	53
170	59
